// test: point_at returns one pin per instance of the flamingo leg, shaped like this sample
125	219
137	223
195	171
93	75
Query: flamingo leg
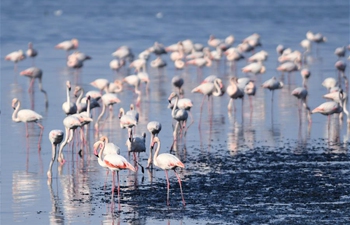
41	134
182	194
27	134
118	190
30	89
168	187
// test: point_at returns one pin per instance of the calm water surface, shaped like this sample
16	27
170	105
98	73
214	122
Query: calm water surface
255	167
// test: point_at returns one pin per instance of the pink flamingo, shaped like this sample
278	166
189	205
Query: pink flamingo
68	45
328	109
31	52
100	84
154	127
109	100
56	137
301	93
166	162
15	57
305	74
254	68
68	106
127	121
26	116
208	89
35	73
114	162
137	144
272	84
109	148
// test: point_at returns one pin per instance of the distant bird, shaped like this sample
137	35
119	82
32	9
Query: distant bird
341	66
134	80
272	84
144	78
108	100
280	49
234	92
135	145
340	51
200	63
289	67
100	84
305	74
127	121
76	59
180	115
26	116
154	127
301	93
209	89
166	162
15	57
124	53
158	63
56	137
259	56
114	162
139	65
214	42
254	68
31	52
69	107
35	73
68	45
306	44
329	83
116	64
71	122
293	56
158	49
177	82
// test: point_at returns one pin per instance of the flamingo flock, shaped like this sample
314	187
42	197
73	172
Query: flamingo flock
184	54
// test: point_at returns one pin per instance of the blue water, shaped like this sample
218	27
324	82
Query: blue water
101	28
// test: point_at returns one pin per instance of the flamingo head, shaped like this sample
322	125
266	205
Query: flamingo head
98	145
14	102
68	85
172	95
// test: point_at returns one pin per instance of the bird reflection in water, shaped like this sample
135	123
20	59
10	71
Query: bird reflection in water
56	215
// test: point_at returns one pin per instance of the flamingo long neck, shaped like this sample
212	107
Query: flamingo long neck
68	97
217	90
14	114
80	96
344	106
102	148
156	153
102	112
88	107
173	112
43	91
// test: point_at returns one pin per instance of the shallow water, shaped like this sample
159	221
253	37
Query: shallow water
255	167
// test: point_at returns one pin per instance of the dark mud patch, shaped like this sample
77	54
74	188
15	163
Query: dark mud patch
263	185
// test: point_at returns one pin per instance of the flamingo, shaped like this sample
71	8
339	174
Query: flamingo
327	109
78	56
158	49
306	44
341	66
301	93
35	73
254	68
340	51
71	122
158	63
180	115
144	77
166	162
329	83
200	63
127	121
305	74
116	64
69	107
68	45
108	99
234	92
272	84
109	148
280	49
177	82
135	81
123	53
294	56
208	89
31	52
15	57
26	116
341	98
154	127
56	137
214	42
289	67
135	145
259	56
139	65
115	87
100	84
114	162
81	105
